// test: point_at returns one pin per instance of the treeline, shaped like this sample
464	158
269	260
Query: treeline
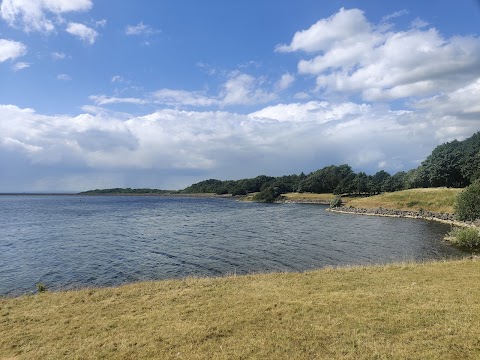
331	179
116	191
453	164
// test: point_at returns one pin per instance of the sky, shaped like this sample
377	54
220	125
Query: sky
163	94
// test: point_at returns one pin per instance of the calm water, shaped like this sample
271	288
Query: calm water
72	241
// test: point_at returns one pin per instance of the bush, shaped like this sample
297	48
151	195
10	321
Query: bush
467	237
336	202
467	205
41	287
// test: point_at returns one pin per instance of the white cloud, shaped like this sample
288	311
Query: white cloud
238	89
243	89
312	111
189	146
117	78
285	81
394	15
64	77
140	29
353	56
20	66
105	100
83	32
183	98
461	103
10	50
101	23
323	35
418	23
35	15
58	55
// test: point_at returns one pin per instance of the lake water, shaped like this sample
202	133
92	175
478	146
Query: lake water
76	241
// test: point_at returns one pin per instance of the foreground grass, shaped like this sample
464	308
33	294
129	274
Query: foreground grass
432	199
404	311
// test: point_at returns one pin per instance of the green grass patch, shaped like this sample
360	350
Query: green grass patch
440	200
399	311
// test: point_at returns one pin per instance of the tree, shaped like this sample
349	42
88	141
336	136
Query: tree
467	206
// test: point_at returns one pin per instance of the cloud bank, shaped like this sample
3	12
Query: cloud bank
362	93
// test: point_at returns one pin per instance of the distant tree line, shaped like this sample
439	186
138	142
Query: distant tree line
453	164
116	191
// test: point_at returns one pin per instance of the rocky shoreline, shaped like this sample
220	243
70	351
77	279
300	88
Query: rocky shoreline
424	215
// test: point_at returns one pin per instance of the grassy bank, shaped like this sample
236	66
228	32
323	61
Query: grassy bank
431	199
308	197
412	311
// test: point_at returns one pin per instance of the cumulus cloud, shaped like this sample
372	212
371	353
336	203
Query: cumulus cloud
191	146
83	32
36	15
10	50
346	24
238	89
244	89
352	55
285	81
461	103
312	111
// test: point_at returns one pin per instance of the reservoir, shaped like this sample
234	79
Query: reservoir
68	242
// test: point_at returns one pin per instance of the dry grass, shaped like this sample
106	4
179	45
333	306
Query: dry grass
433	199
308	197
403	311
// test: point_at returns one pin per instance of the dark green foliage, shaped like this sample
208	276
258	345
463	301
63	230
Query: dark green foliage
467	206
336	202
270	193
327	180
116	191
453	164
41	287
468	237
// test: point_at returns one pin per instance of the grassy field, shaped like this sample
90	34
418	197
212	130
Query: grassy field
399	311
433	199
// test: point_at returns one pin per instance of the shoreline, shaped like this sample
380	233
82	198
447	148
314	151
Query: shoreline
445	218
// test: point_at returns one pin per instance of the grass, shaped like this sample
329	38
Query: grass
308	197
399	311
439	200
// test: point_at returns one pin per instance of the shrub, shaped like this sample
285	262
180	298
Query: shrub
467	205
467	237
41	287
336	202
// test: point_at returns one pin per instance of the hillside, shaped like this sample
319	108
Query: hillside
439	200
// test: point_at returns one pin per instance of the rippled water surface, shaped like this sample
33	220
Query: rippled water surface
76	241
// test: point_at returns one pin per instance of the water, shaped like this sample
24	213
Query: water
72	241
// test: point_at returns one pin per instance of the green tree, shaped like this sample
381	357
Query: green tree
467	206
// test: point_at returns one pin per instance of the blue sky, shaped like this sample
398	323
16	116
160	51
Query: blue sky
97	94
